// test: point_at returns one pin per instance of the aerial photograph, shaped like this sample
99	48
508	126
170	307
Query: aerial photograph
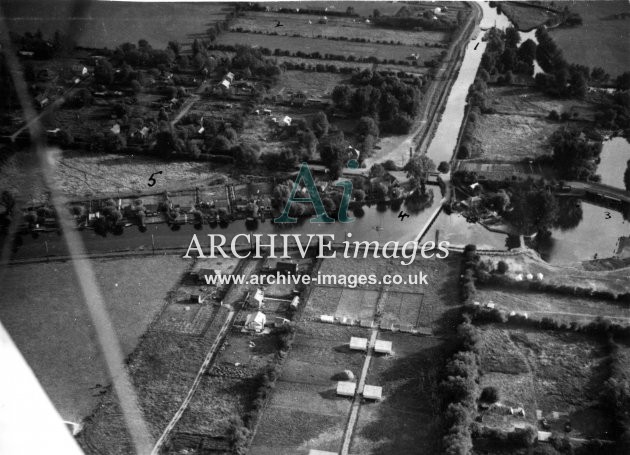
314	227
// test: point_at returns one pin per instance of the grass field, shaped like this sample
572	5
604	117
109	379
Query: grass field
547	371
346	48
436	303
81	173
346	27
602	40
50	324
525	18
519	129
304	411
109	24
407	420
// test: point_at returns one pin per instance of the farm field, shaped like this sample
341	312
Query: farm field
81	173
519	129
438	300
304	411
342	302
549	371
406	421
54	331
346	27
525	18
109	24
602	39
346	48
557	306
162	369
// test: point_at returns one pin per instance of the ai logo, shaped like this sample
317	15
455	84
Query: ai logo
314	198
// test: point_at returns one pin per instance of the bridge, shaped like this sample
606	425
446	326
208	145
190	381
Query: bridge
607	192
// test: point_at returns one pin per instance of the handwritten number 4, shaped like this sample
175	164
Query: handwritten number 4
152	180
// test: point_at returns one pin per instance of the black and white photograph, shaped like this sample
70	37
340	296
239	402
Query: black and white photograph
314	227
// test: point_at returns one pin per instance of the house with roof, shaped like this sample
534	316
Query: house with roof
256	321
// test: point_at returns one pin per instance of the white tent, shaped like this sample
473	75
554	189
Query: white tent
372	392
358	344
383	347
346	388
256	321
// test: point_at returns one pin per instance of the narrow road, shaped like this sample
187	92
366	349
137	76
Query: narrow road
356	401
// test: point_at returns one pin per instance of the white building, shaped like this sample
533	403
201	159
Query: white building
256	321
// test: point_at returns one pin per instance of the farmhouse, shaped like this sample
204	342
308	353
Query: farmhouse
256	321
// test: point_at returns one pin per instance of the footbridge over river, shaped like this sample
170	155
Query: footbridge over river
600	190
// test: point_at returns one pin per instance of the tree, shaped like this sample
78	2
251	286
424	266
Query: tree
320	124
359	195
489	395
245	156
512	37
419	166
376	13
377	170
174	46
367	125
135	86
623	81
444	167
502	267
104	72
341	96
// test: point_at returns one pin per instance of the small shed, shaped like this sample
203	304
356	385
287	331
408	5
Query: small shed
295	302
287	267
543	436
346	388
230	77
224	84
256	321
358	344
257	298
286	120
383	347
327	318
372	392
